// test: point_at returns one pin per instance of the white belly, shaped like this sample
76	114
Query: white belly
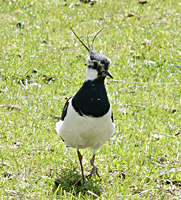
81	132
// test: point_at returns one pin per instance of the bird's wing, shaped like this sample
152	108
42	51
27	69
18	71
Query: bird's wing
64	112
112	117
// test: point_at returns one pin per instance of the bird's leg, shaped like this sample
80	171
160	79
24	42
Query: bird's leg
94	170
80	160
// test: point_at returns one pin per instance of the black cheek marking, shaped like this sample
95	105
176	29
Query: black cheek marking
106	64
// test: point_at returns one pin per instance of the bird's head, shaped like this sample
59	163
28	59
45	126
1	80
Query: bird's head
97	64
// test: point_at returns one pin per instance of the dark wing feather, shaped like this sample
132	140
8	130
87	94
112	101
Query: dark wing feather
64	112
112	117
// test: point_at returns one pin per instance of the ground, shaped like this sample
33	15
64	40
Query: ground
42	64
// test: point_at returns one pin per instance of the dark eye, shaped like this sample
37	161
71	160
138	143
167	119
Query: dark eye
106	63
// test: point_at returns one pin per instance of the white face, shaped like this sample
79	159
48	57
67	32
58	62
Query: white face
90	62
98	66
91	74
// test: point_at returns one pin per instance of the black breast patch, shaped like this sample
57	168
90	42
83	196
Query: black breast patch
91	99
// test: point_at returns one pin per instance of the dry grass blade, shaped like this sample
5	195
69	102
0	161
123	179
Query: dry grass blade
133	15
10	106
142	2
178	133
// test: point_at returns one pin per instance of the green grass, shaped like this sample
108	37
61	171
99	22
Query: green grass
145	95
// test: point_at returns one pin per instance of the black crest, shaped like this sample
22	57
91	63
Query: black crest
96	60
88	49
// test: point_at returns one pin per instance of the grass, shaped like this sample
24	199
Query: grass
42	64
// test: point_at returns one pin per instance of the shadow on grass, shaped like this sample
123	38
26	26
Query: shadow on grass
69	183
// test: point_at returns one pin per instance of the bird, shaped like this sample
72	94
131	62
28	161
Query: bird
87	118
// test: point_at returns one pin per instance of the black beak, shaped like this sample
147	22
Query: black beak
108	73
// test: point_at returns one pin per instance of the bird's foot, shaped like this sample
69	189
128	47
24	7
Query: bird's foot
94	171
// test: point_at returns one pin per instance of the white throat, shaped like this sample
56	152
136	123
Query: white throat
91	74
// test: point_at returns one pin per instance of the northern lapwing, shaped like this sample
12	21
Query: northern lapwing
87	119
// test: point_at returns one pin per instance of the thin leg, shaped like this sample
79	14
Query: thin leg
80	160
94	170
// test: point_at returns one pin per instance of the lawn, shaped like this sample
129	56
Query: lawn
42	64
